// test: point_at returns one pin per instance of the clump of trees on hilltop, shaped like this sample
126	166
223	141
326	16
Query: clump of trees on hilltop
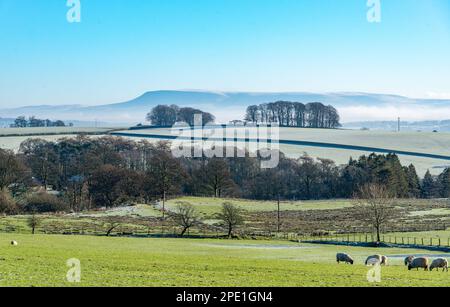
86	173
33	122
294	114
167	116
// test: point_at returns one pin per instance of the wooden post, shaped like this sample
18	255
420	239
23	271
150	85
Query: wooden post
278	217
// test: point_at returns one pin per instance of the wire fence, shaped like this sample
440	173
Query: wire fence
393	239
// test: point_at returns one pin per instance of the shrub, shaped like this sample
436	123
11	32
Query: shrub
7	203
43	203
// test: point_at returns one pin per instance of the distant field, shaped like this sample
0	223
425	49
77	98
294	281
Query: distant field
11	138
419	142
41	261
51	131
211	206
13	142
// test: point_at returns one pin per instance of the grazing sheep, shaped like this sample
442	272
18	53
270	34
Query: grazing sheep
408	260
341	257
384	260
14	243
439	263
376	259
419	263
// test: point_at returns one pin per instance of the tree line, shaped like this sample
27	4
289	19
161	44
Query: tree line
33	122
167	116
85	173
294	114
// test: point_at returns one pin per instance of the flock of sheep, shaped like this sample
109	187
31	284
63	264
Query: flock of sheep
411	261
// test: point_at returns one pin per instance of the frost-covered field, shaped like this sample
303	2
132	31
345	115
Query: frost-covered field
13	142
51	130
421	142
11	138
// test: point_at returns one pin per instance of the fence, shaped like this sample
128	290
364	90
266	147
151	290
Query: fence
386	239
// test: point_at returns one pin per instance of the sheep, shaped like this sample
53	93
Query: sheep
341	257
376	259
408	260
14	243
419	263
439	263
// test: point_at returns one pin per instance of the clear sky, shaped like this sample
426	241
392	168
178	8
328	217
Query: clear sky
122	48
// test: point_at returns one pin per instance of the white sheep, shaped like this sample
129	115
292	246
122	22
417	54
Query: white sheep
419	263
439	263
341	257
376	260
14	243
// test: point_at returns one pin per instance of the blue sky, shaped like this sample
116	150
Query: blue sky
123	48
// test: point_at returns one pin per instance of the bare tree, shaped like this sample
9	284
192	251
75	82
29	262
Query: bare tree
231	217
33	222
185	216
111	224
375	206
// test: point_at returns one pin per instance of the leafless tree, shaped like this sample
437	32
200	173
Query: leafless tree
231	217
375	206
33	222
185	216
111	224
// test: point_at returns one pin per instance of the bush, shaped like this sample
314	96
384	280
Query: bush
44	203
7	203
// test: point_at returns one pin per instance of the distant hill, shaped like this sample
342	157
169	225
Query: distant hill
231	105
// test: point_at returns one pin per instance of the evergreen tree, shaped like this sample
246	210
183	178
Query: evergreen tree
444	183
428	186
413	181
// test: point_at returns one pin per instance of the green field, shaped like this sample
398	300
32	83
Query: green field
210	206
41	261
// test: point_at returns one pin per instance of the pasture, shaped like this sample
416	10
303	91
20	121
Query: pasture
418	219
40	260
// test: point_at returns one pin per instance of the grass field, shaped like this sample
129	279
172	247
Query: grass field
299	217
210	206
41	261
